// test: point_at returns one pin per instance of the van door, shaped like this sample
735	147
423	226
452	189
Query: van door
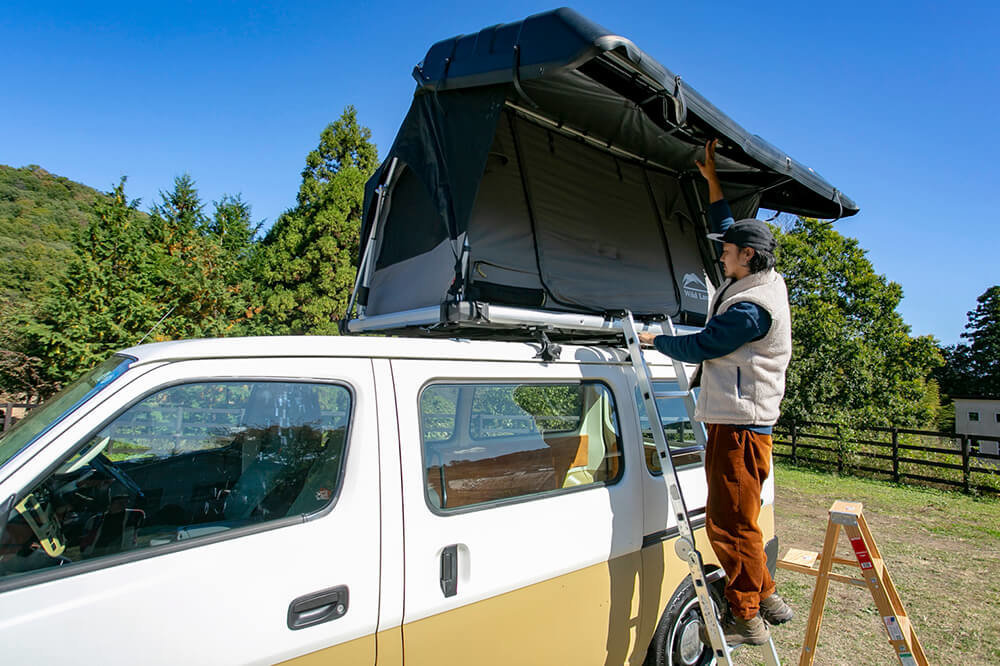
522	513
215	511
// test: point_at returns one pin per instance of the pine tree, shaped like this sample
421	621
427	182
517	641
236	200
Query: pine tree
175	274
180	211
974	368
308	259
231	223
204	286
235	232
108	297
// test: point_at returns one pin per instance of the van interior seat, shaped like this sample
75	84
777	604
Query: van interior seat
570	457
520	467
277	416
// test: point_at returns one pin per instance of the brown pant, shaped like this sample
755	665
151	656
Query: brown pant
736	463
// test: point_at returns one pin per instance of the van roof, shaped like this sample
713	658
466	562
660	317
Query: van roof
373	347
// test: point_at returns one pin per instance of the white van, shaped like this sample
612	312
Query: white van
348	500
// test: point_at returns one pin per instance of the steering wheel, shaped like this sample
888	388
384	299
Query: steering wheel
103	463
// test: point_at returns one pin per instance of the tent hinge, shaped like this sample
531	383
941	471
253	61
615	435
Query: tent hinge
461	270
680	103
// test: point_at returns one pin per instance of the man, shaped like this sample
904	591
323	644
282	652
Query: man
742	353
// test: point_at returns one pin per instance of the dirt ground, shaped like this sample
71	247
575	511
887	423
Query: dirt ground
942	550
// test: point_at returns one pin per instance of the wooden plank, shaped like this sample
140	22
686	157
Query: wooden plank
809	571
931	449
843	506
886	598
932	479
819	595
806	558
931	463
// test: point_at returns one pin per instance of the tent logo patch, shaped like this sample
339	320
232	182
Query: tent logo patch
694	287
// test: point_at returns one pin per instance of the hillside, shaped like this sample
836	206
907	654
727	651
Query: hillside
38	214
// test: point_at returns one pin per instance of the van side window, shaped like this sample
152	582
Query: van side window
514	440
676	426
437	409
187	461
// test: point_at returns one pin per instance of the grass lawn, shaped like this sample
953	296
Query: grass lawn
942	550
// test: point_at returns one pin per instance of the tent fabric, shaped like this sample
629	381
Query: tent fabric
530	171
416	282
548	45
447	148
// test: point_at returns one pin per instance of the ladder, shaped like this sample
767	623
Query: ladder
685	544
874	576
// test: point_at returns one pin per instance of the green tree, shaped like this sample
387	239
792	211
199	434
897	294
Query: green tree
853	359
180	211
974	368
108	293
231	223
205	288
307	262
39	214
173	274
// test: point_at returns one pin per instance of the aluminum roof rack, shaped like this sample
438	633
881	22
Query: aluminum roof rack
475	319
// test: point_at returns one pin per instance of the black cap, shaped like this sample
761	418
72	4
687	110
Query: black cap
748	233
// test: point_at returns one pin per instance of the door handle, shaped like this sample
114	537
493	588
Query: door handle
449	570
318	607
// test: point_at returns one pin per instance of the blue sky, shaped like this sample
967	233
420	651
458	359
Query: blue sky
894	103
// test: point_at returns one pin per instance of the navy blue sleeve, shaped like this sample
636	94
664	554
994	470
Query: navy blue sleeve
725	333
721	216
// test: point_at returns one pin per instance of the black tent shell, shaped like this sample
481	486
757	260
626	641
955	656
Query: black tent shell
549	164
547	44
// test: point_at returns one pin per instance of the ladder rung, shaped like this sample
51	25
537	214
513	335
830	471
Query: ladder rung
667	395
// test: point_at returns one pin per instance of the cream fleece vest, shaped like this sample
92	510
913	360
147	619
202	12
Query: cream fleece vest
745	387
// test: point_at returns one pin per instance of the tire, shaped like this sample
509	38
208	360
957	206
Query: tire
676	641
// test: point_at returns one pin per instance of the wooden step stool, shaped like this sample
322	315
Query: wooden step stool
874	576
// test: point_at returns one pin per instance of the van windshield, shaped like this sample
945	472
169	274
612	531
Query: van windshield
59	406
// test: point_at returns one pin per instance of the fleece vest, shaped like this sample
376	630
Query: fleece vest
745	387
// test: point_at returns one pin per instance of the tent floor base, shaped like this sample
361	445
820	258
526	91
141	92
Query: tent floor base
478	320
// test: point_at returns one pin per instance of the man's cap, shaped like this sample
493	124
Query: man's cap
748	233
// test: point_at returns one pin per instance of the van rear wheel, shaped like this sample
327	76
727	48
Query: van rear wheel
676	641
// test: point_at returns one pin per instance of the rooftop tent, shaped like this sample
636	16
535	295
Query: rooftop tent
548	165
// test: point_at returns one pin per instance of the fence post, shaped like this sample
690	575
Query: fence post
795	442
840	452
895	454
965	462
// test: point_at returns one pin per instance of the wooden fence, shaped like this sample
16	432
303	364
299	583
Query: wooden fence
7	418
971	462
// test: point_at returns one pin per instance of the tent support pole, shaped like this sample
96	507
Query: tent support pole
600	145
760	191
695	205
363	278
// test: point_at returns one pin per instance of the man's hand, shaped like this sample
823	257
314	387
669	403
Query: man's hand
646	339
707	170
707	167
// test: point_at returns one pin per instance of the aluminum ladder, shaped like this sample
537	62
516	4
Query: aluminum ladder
685	544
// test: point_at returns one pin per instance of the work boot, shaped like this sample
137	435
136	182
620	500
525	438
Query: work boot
751	632
774	610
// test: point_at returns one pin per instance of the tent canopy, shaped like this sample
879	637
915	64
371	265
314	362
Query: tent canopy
550	164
